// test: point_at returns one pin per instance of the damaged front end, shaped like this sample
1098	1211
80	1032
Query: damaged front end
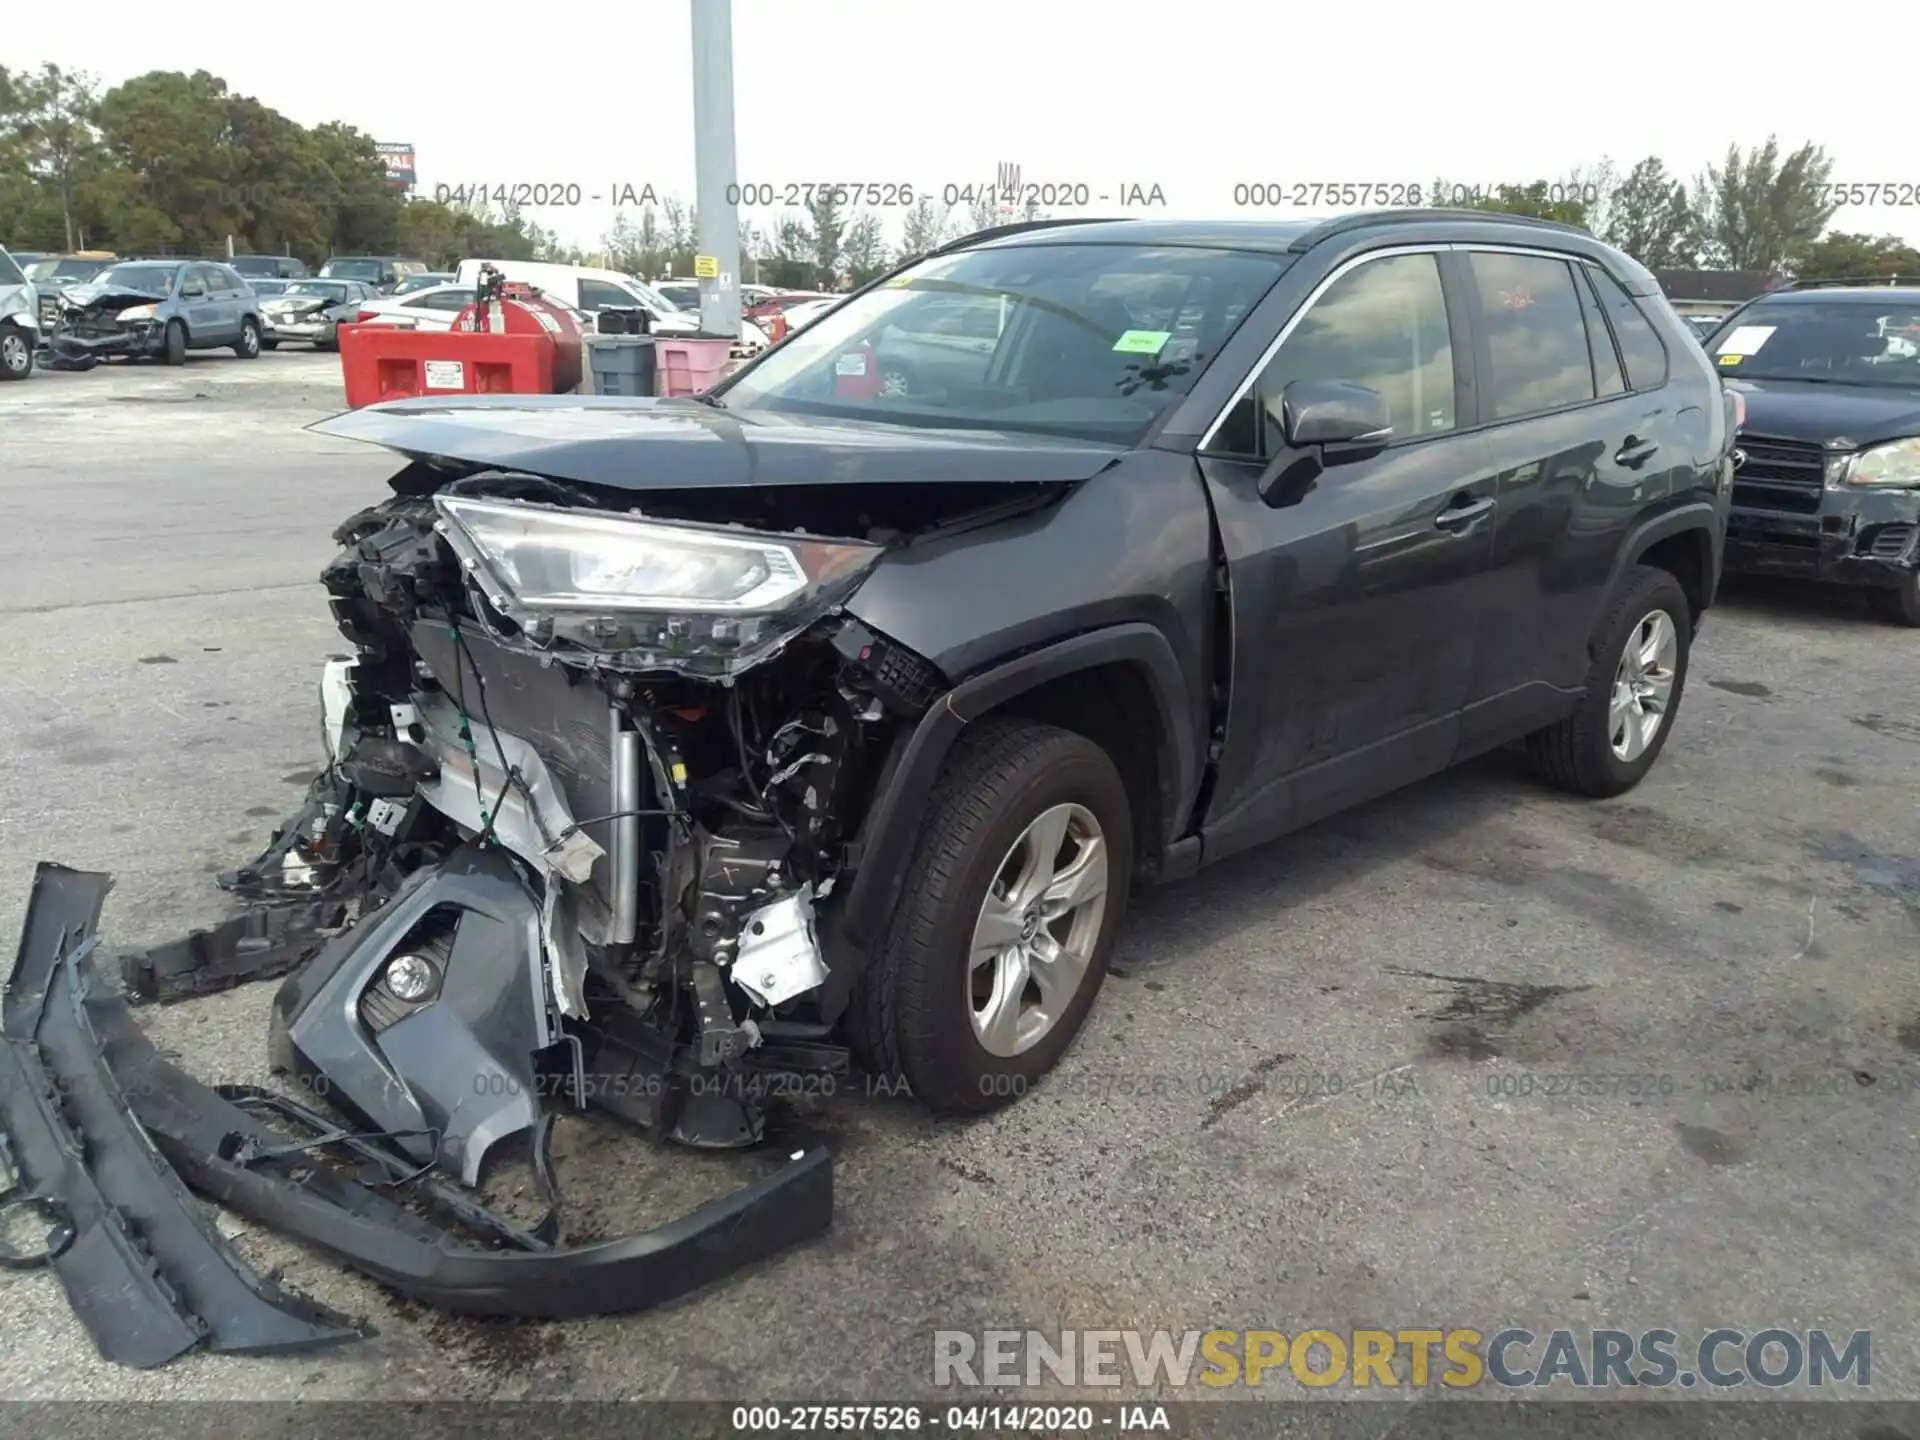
593	777
95	324
595	769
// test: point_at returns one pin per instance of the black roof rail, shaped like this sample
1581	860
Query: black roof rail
1828	282
1020	227
1360	219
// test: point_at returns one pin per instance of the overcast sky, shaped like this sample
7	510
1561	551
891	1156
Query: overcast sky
1195	96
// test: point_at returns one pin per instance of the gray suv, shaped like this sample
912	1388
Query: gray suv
689	750
156	308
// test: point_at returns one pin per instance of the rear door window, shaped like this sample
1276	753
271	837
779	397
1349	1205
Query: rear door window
599	295
1536	335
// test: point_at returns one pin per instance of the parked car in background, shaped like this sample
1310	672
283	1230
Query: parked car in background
284	267
158	308
590	290
25	258
50	275
683	293
264	286
1828	486
19	321
799	316
313	311
383	272
424	280
432	308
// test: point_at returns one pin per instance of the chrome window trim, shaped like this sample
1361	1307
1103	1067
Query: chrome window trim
1432	247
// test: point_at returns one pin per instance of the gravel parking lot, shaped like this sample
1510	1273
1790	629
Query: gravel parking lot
1302	1101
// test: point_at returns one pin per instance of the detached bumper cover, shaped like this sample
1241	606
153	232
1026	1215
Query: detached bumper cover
140	1260
67	1038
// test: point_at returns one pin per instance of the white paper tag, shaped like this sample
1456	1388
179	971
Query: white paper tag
852	363
1746	340
446	375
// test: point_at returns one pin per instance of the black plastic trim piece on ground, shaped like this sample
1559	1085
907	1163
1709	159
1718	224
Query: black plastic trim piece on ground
262	942
144	1268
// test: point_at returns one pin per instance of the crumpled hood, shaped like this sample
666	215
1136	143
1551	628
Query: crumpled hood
109	297
640	444
1846	416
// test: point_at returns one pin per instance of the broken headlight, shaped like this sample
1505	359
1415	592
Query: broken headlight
695	598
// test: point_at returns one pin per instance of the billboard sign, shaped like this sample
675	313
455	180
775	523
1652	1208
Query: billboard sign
399	162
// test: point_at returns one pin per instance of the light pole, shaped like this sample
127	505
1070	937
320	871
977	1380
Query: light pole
718	264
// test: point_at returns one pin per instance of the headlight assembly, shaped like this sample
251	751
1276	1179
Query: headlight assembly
136	312
694	598
1897	463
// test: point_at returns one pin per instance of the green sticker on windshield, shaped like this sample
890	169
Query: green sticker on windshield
1142	342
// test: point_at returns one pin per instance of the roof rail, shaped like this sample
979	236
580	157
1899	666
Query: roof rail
1833	280
1020	227
1360	219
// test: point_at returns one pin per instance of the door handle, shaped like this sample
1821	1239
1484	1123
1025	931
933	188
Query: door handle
1462	513
1634	452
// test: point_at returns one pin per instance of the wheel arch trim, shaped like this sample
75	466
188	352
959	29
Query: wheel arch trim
897	809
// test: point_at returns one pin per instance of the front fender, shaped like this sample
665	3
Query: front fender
893	819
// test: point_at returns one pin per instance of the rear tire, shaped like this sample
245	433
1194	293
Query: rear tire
1901	604
176	343
1578	753
914	1015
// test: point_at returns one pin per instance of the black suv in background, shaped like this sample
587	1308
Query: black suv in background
269	267
1828	482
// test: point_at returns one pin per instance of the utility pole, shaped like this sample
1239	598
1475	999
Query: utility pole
713	161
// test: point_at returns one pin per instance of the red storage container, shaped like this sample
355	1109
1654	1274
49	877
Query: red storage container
380	362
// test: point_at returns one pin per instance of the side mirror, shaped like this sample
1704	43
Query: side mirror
1316	416
1334	412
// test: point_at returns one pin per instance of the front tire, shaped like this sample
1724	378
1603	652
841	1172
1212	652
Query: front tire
1633	692
16	353
1901	604
1012	903
176	343
248	346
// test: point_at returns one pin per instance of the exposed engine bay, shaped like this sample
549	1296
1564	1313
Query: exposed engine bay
635	816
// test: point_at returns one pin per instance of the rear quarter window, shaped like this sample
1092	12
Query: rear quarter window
1641	349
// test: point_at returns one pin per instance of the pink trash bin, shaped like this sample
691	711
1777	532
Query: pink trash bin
687	367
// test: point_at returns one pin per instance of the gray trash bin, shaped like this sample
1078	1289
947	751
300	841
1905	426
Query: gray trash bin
620	364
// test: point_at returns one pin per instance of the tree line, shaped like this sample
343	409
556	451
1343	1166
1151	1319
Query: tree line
171	163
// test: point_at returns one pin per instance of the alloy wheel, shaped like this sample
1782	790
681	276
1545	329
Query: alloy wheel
1037	930
13	353
1643	685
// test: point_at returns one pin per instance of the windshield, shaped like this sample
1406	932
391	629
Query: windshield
316	287
683	297
1843	342
1088	341
156	278
9	272
652	296
353	269
255	264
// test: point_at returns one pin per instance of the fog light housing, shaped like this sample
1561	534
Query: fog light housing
411	978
